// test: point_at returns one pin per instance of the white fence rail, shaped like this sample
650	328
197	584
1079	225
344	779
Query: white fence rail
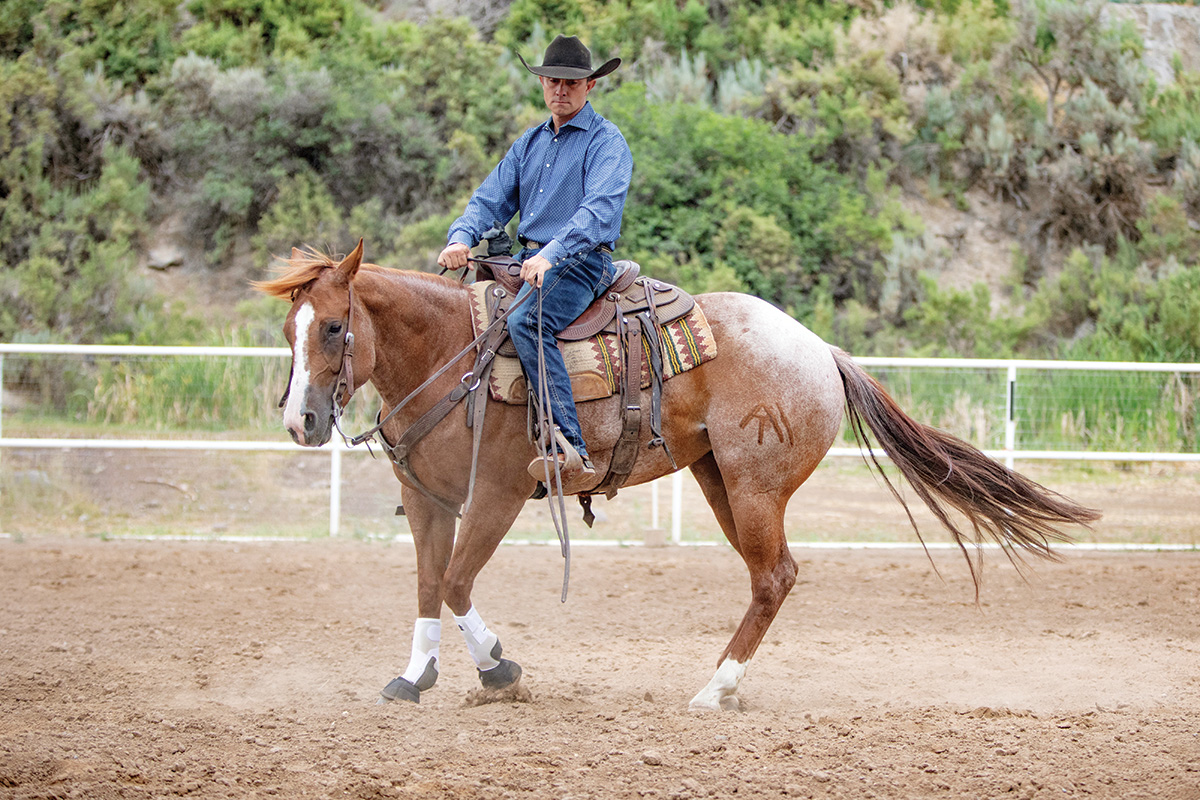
336	449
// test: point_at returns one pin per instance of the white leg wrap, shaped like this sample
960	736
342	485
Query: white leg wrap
427	636
480	641
722	685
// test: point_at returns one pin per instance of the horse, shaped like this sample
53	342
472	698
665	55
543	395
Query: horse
751	424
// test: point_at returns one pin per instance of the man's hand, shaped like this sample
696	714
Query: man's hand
454	256
534	269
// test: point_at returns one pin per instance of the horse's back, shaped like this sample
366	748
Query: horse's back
755	333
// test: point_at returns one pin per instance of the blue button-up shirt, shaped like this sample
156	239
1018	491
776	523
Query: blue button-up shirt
569	186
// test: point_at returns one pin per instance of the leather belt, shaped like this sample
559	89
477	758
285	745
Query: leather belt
532	245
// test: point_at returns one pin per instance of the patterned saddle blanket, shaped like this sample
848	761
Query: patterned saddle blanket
595	361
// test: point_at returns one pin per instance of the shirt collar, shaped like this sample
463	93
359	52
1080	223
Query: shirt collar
581	120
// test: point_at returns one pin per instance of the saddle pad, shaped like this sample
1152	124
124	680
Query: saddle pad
594	364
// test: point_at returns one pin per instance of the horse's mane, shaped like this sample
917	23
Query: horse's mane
305	266
292	274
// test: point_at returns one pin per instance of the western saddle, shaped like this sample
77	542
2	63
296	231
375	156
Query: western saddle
633	309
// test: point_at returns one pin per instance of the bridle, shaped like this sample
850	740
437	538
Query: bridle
344	382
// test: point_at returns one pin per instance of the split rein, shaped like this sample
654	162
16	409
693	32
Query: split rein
467	383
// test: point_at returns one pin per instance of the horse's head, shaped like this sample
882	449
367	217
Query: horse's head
320	328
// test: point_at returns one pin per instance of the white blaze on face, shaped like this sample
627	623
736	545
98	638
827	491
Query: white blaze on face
293	420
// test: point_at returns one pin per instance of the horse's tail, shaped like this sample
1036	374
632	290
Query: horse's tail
947	473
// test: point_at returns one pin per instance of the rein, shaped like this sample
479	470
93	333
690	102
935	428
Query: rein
468	382
549	435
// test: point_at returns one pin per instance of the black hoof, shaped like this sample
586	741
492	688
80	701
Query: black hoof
401	689
506	673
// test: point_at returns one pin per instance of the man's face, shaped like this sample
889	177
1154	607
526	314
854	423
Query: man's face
564	97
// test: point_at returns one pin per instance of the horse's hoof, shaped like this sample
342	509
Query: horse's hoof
728	702
400	689
506	673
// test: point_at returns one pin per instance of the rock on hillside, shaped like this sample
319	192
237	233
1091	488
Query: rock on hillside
1167	30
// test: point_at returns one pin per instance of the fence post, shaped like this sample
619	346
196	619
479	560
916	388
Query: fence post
335	490
1	402
654	503
1010	417
677	507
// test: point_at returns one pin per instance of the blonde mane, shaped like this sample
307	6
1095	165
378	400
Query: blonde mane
307	264
292	274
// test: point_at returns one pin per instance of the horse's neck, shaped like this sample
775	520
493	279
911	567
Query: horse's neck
420	322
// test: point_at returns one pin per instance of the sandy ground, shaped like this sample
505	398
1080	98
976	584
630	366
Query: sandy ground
222	669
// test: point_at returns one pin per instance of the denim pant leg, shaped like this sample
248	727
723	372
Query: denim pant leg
567	289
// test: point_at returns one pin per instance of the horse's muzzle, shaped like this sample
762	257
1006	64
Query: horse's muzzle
310	428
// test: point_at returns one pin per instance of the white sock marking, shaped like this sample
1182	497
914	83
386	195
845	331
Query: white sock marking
722	685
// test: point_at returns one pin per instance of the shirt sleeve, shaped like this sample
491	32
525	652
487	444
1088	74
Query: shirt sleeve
496	199
607	171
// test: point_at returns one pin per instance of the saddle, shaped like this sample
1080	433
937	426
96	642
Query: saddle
628	292
633	309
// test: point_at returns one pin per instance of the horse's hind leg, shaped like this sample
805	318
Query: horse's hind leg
753	523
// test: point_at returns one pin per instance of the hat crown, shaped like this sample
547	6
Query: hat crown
568	51
568	58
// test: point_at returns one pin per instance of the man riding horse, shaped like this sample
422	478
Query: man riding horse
568	178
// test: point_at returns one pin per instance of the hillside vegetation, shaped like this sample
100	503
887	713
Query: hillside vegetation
775	145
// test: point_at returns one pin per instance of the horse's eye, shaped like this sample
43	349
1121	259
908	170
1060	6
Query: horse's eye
335	328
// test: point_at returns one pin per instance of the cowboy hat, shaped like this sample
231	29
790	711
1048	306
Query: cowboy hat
569	59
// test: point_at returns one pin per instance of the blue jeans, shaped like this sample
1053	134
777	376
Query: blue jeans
567	290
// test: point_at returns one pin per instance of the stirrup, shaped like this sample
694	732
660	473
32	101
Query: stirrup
573	461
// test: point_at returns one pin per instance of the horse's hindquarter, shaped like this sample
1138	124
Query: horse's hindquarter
770	402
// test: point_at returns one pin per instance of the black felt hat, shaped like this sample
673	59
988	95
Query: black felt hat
568	58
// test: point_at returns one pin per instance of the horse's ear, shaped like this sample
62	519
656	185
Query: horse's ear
297	254
351	263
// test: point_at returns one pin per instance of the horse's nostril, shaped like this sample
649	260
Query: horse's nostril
310	422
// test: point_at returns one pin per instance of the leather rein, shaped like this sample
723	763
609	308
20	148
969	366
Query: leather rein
468	383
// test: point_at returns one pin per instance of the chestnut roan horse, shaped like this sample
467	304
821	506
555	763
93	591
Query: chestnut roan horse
406	325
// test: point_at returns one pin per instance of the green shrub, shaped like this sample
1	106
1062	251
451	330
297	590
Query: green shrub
1173	114
1186	177
239	33
1166	233
712	191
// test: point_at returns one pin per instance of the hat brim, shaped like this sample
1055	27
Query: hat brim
573	73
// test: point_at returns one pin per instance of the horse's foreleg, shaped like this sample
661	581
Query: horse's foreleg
492	512
433	535
494	672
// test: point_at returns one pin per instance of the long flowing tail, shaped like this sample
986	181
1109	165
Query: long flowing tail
947	473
